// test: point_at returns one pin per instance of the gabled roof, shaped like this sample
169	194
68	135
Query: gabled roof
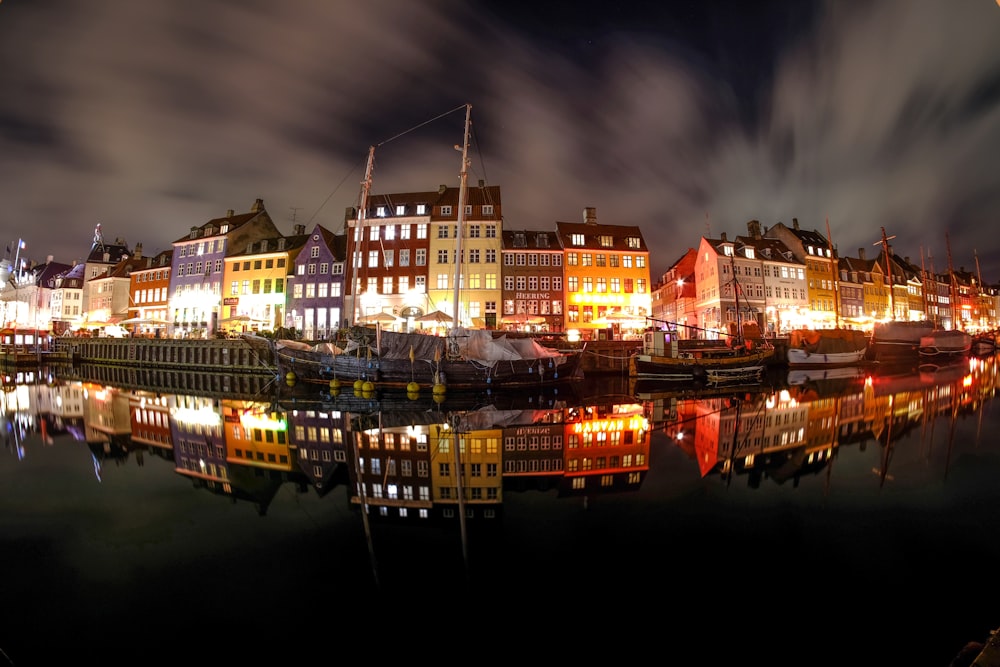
592	233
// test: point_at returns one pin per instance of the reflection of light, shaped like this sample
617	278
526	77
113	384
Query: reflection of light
196	416
632	424
266	422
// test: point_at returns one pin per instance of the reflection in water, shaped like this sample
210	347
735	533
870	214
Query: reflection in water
638	485
428	458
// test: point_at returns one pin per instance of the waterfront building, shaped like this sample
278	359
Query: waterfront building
315	291
149	290
785	303
197	268
254	297
532	278
607	278
477	272
816	253
674	299
102	257
66	299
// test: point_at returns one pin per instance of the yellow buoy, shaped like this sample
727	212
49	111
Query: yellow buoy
368	386
412	395
290	377
412	388
439	389
359	384
334	384
439	398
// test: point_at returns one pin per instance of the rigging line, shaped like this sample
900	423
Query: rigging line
335	190
426	122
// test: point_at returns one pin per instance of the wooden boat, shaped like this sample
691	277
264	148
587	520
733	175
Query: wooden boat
739	358
898	340
823	348
465	358
945	343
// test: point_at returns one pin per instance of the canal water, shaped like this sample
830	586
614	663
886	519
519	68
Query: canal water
842	520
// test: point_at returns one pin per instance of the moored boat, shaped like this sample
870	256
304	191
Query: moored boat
898	340
943	343
666	357
465	358
822	348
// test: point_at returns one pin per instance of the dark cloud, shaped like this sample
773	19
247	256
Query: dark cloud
682	118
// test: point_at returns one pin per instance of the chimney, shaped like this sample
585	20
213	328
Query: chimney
230	213
861	254
49	258
442	188
724	237
482	183
258	206
138	251
350	213
795	224
590	215
753	227
300	229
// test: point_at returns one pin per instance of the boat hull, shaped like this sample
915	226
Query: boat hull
809	348
943	344
737	367
896	342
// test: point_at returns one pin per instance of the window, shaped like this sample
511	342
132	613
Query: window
577	239
442	256
442	231
400	209
487	209
446	210
314	252
404	257
606	241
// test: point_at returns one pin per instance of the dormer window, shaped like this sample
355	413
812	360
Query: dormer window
421	209
727	250
487	209
577	239
400	210
446	210
749	253
542	240
380	212
224	229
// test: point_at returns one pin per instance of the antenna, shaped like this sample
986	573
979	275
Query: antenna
295	211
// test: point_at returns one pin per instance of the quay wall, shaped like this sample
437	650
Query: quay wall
233	355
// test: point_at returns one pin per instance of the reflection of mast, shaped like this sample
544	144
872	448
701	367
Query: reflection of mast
364	501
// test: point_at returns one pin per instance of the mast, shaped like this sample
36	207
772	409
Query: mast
836	281
354	261
884	242
955	319
463	178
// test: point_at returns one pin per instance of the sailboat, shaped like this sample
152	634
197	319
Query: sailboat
464	358
827	348
741	357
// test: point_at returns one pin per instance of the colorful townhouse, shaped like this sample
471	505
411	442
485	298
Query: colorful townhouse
606	277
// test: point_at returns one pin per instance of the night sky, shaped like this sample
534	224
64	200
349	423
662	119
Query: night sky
684	118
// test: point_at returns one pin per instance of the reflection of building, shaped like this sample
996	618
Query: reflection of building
317	438
150	419
465	471
389	456
607	448
533	452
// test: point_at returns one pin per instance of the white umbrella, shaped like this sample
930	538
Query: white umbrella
382	317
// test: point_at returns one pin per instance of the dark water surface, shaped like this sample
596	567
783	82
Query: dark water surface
852	521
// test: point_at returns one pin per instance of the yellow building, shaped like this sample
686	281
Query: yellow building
478	271
606	268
